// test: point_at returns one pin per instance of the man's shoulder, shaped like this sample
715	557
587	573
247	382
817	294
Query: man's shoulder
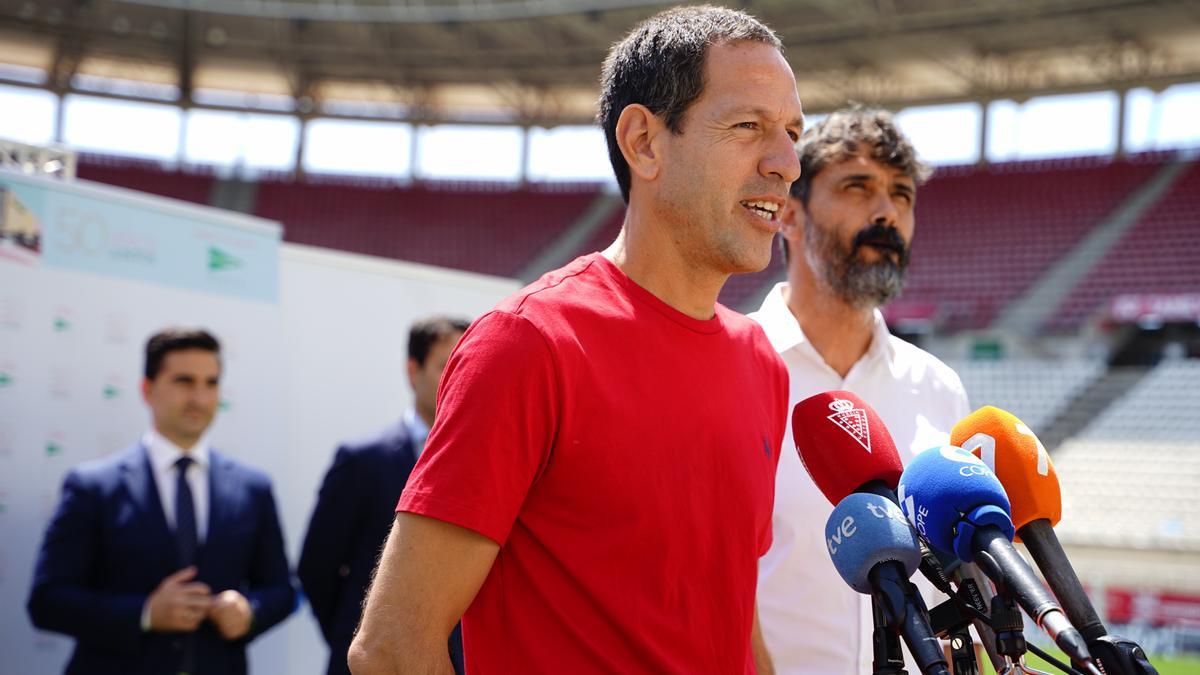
108	467
923	367
378	443
252	475
557	290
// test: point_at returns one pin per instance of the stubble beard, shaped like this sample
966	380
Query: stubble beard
840	267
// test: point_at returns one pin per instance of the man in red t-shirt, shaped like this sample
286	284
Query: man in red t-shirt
598	484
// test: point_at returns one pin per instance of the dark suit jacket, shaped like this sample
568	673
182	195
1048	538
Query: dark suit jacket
354	513
108	546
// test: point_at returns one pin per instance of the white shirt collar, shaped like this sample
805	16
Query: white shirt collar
164	453
416	426
784	332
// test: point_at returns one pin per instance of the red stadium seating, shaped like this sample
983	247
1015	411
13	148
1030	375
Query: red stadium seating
1158	255
985	235
488	228
192	185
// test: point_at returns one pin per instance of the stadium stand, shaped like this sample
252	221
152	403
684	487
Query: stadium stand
487	228
1158	255
191	185
1036	391
985	235
604	235
1129	479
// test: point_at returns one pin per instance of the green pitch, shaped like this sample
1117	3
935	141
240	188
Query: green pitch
1178	665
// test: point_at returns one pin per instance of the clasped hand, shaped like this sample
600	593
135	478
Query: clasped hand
180	604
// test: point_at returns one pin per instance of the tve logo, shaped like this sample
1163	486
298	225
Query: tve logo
885	511
842	532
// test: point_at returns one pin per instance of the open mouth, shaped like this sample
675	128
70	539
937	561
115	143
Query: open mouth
765	210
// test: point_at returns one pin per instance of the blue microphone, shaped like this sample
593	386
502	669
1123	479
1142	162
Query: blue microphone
955	501
875	551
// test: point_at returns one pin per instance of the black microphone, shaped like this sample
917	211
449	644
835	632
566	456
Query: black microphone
959	506
1021	463
875	551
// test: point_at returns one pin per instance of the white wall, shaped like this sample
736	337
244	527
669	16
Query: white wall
320	362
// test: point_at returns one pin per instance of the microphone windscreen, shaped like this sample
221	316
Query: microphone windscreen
865	530
1019	460
946	493
843	444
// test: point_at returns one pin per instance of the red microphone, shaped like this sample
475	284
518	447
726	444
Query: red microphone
845	448
843	444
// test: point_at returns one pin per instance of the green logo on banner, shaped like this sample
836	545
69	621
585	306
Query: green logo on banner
220	261
224	405
111	392
5	379
53	449
61	324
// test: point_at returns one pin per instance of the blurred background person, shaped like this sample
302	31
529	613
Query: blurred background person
357	501
167	557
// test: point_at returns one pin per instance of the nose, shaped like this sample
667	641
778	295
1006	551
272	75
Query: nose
780	159
883	210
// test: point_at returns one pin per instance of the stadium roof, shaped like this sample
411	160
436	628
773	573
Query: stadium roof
537	61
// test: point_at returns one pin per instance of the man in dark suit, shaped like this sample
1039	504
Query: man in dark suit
357	501
167	557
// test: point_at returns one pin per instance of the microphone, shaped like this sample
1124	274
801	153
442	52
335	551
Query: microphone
846	449
955	501
875	551
844	446
1020	461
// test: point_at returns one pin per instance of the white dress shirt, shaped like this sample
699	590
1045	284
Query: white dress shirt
813	623
163	455
417	429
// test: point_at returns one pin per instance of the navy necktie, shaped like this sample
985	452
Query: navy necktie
185	514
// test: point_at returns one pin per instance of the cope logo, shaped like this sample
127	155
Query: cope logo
971	465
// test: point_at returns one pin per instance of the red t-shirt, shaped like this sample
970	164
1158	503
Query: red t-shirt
623	456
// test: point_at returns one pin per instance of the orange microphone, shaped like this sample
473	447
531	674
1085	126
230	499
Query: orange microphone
1020	461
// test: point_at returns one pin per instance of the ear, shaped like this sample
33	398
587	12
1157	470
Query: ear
413	368
145	390
791	224
637	130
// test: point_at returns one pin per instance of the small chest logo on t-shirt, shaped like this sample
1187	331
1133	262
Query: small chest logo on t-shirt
851	420
766	448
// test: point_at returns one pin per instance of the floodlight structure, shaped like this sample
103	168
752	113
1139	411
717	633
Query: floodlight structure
38	160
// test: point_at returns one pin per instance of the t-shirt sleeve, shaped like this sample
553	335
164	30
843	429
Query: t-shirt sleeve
781	384
497	413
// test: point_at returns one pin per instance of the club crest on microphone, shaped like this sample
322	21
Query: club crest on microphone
851	420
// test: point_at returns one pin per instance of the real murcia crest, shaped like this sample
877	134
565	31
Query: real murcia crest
852	420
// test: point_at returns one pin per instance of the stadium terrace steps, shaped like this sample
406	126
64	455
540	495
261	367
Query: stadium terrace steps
1089	404
1156	256
566	247
491	229
1130	477
1026	314
1035	390
984	236
191	185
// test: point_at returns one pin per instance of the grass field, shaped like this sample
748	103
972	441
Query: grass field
1165	666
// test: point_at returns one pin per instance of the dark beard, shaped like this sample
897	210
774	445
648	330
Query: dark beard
856	282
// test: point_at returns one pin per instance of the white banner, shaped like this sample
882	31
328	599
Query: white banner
313	350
